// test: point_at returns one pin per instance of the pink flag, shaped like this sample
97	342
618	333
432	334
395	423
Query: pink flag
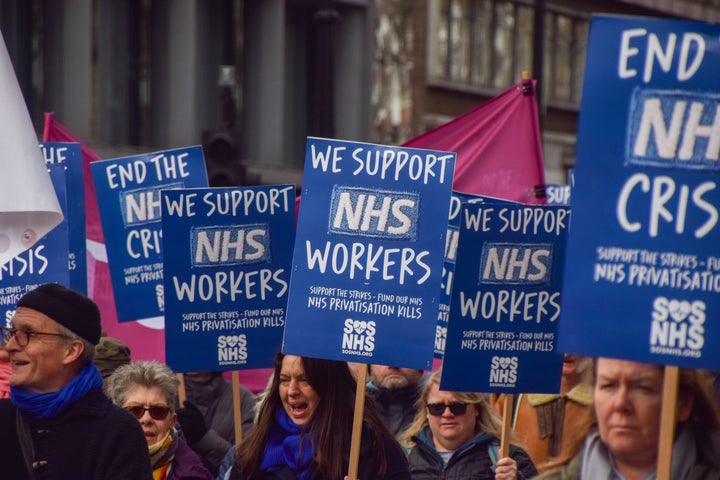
499	153
146	341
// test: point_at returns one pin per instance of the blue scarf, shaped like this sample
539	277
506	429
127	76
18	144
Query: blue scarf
49	405
284	448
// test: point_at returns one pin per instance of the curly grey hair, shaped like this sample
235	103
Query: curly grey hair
146	373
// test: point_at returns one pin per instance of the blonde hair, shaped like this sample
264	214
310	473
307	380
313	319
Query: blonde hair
487	421
586	369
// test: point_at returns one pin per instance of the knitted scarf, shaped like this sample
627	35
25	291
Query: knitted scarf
162	454
284	448
49	405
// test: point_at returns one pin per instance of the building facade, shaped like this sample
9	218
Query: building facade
145	75
467	51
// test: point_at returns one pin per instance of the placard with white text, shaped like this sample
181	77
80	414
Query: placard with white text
70	156
451	243
506	299
368	258
227	254
643	269
46	261
128	194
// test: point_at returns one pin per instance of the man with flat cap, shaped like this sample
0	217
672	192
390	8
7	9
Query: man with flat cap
58	424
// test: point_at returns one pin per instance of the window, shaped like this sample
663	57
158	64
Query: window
487	44
566	37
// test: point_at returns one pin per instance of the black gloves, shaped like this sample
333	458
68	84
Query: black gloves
192	423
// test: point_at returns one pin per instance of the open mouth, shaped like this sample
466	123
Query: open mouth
18	363
298	409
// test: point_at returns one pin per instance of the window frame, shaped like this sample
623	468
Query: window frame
440	56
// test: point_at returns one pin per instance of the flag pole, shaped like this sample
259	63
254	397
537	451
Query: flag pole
667	421
506	423
237	411
181	389
357	423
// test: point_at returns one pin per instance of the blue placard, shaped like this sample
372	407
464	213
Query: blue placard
643	270
557	194
128	194
70	155
44	262
227	258
451	243
506	300
368	257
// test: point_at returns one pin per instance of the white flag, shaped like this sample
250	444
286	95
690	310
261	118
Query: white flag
29	208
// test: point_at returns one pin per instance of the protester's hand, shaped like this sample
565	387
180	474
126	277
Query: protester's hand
506	469
192	423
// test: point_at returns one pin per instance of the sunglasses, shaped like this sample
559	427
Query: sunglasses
437	409
156	412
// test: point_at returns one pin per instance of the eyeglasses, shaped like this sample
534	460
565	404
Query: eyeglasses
22	337
157	412
437	409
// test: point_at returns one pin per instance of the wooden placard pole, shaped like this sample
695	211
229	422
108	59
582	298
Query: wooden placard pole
506	424
181	390
357	423
237	411
667	421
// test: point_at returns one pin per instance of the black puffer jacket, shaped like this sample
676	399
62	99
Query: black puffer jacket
472	461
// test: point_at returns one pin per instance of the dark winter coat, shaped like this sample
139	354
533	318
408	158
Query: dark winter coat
214	399
395	406
92	439
472	461
187	465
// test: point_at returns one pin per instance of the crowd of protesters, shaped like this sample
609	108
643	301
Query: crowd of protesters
74	406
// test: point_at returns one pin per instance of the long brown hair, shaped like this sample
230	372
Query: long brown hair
330	427
704	416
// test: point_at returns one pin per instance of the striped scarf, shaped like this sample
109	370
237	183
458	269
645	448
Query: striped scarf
162	454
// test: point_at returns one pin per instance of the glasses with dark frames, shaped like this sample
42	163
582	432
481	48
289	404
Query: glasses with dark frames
22	337
157	412
456	408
